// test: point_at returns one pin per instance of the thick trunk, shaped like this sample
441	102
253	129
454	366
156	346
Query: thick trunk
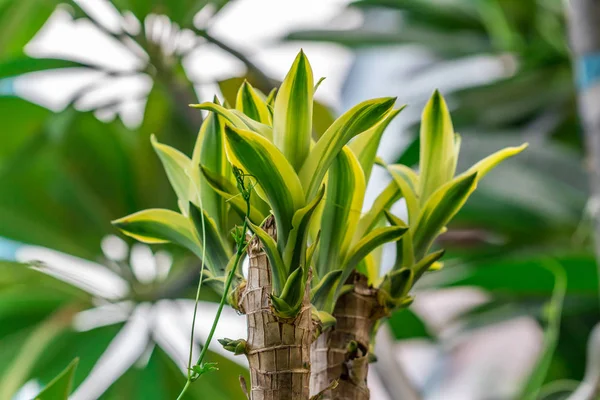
278	349
342	353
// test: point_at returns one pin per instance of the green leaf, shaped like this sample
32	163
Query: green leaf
160	226
209	152
325	319
383	201
176	165
237	119
276	177
294	255
230	194
38	342
398	283
218	254
487	164
535	381
358	119
405	256
288	304
321	79
264	130
252	104
293	112
279	271
343	205
426	262
23	65
228	115
60	387
405	179
366	144
312	249
405	324
271	98
437	155
369	243
439	210
322	294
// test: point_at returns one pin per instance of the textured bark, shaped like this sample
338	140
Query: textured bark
278	349
335	357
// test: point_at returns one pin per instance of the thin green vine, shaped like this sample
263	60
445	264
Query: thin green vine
239	235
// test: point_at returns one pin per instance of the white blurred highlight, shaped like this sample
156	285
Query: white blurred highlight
143	263
123	351
107	314
114	248
91	277
164	261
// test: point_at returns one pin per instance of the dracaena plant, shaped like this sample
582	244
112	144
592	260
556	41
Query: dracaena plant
362	296
268	142
308	191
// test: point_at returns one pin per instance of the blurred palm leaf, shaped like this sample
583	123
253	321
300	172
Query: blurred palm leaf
525	36
65	175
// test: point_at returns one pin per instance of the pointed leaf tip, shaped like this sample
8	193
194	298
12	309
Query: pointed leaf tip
293	112
437	152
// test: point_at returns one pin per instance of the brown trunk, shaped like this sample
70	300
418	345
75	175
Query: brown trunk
342	353
278	349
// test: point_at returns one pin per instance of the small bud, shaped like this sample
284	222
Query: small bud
237	347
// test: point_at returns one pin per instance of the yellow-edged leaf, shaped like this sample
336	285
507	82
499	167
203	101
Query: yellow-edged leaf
398	283
369	266
294	255
227	114
437	162
405	256
252	104
487	164
426	262
176	165
366	144
322	293
405	178
321	79
237	119
218	253
358	119
343	206
310	252
209	152
160	226
369	243
289	302
276	177
439	210
292	116
259	210
255	126
383	201
278	269
271	98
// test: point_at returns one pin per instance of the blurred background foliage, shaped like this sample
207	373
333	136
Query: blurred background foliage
67	173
